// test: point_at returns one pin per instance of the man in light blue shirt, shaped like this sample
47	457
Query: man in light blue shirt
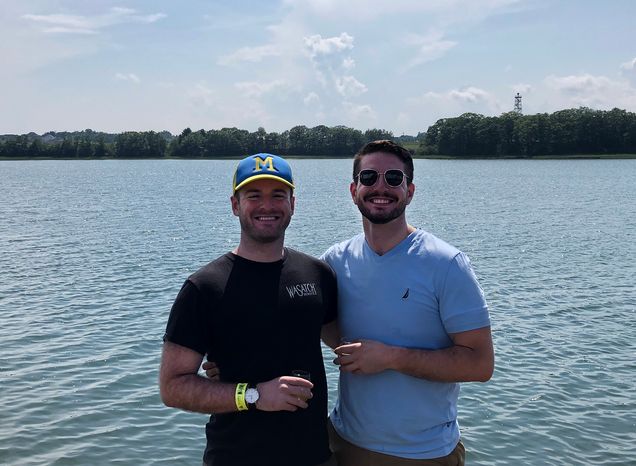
414	323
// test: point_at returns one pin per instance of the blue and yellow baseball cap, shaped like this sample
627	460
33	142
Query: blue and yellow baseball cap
260	166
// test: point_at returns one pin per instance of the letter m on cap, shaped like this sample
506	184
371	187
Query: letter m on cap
268	163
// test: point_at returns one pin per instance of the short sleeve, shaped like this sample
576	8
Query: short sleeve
187	322
461	300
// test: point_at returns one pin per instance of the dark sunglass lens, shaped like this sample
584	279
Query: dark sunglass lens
368	177
394	177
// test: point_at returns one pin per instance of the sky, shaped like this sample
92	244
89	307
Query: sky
399	65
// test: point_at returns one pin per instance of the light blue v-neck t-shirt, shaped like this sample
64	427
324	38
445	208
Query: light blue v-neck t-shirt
413	296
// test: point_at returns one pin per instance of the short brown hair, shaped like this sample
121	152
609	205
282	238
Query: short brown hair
390	147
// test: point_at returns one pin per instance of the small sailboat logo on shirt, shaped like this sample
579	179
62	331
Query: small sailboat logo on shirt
406	294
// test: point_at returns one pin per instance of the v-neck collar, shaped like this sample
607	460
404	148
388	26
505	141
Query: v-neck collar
398	248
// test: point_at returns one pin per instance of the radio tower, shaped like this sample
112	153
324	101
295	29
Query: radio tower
517	108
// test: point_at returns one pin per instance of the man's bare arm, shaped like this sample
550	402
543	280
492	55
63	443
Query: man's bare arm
469	359
181	386
330	335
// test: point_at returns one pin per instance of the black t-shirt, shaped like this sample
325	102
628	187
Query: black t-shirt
259	321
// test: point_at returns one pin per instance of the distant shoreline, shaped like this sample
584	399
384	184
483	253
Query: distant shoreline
297	157
535	157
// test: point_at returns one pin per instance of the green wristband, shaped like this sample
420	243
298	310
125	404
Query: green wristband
239	397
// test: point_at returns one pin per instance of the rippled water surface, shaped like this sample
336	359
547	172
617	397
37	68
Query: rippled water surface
92	253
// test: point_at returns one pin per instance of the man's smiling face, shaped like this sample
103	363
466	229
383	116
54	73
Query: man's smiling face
264	208
381	203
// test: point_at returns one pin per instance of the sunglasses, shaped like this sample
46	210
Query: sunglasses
393	178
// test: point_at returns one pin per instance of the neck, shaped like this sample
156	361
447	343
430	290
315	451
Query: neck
383	238
260	252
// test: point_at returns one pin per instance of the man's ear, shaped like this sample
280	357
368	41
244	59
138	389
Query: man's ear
235	204
410	192
353	189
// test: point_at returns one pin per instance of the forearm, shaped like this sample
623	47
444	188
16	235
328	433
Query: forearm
470	358
192	392
453	364
330	334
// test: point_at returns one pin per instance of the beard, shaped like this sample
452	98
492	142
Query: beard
263	235
381	218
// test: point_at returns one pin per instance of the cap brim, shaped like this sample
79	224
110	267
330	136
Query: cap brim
263	177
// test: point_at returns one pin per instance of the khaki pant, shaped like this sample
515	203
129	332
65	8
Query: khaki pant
348	454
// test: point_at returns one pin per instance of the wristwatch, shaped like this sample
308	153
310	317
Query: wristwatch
251	396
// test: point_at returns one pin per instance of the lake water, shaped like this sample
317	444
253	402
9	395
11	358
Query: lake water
92	254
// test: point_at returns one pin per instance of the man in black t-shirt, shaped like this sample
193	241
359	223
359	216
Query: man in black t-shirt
257	312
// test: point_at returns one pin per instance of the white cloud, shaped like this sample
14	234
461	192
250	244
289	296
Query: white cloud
309	61
256	89
429	47
250	54
451	103
78	24
522	88
348	63
598	92
367	10
580	84
65	30
332	69
63	22
554	93
628	70
468	94
201	95
316	45
237	106
130	77
311	99
348	86
331	84
360	114
629	65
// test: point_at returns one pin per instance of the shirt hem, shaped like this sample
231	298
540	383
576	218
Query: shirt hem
428	455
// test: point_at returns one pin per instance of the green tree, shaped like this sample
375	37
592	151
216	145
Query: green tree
84	149
297	139
376	134
101	150
345	141
257	141
67	149
36	149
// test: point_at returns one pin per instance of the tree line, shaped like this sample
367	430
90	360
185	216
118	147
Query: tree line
573	131
565	132
227	142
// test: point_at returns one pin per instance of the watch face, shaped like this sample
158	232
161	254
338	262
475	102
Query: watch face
251	395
